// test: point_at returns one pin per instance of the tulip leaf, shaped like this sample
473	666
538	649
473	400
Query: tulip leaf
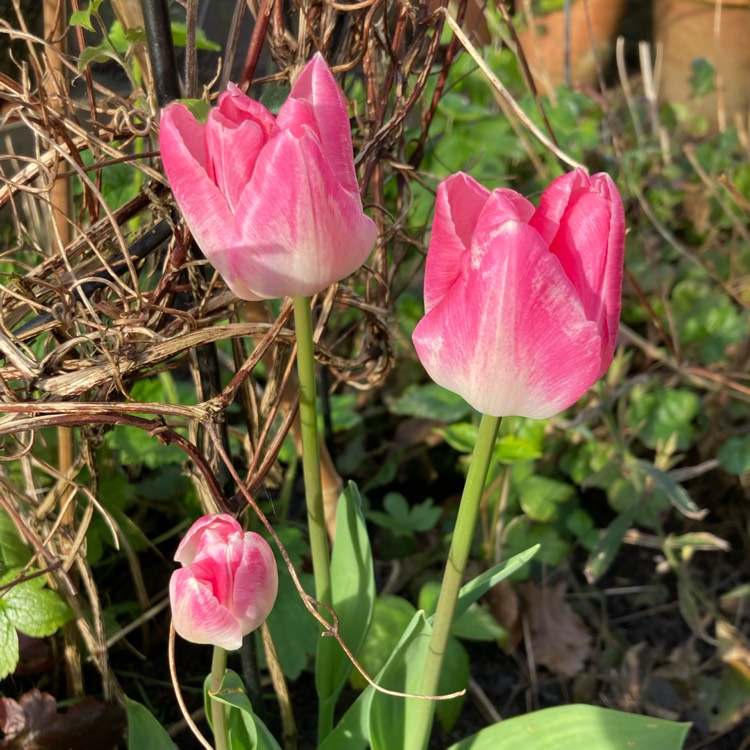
478	587
245	730
353	598
144	731
578	726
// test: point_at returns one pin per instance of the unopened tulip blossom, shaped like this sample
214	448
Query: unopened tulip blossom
521	304
227	585
273	202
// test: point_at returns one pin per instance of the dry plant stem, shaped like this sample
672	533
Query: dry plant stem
288	725
458	556
218	669
178	693
495	81
308	417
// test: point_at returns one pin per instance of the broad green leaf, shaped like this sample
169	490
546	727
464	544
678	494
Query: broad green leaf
353	730
246	731
391	717
578	727
734	455
521	534
122	39
609	543
31	608
461	436
430	401
13	552
391	616
144	731
8	646
353	596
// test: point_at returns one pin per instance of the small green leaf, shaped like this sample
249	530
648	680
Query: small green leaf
674	491
430	401
540	497
576	727
82	18
198	108
179	37
609	543
660	415
144	731
32	609
99	54
8	646
402	518
734	455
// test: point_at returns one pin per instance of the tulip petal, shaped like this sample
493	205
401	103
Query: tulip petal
206	210
301	230
256	582
317	87
505	335
460	201
582	220
232	152
192	543
197	614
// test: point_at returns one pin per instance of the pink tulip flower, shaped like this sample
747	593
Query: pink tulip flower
522	305
227	585
273	202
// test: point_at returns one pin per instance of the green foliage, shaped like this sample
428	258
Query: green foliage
13	552
353	598
245	731
403	518
734	455
663	415
26	606
144	731
574	727
430	401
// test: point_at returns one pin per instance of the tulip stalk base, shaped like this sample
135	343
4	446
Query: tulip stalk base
311	449
455	568
218	669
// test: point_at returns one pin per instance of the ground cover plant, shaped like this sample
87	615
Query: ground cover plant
147	382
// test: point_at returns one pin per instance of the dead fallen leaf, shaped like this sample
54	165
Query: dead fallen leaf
33	723
503	602
559	639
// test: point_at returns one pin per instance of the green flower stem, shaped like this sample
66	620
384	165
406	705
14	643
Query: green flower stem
458	556
311	449
218	668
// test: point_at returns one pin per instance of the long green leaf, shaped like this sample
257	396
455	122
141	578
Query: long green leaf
353	598
578	727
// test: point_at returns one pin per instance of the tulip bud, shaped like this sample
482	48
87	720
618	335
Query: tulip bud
227	585
273	202
522	305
